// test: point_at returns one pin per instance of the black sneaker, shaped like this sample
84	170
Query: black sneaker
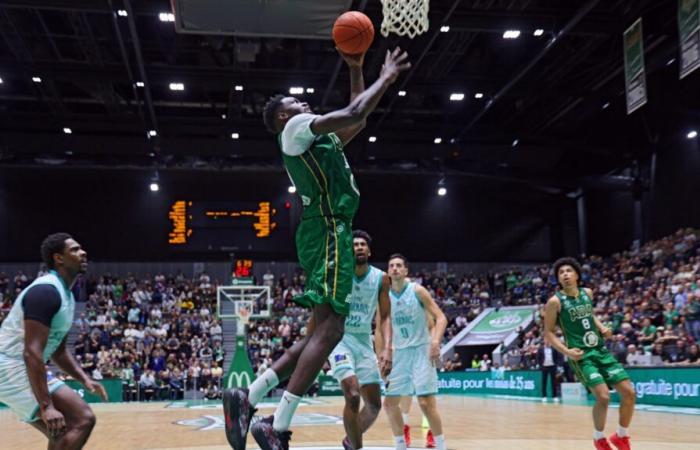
269	439
346	444
237	414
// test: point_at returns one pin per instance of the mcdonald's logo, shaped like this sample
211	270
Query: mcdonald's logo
238	379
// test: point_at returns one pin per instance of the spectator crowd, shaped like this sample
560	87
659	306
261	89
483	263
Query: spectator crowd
160	335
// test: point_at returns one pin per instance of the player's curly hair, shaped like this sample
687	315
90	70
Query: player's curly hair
271	107
567	261
54	243
362	235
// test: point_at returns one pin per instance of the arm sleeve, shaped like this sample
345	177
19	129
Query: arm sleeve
297	136
41	303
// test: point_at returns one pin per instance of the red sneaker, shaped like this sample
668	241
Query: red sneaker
407	435
430	440
602	444
622	443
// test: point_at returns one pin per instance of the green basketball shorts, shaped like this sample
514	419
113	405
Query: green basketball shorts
325	250
598	366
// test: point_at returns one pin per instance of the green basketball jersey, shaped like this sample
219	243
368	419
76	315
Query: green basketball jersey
323	179
576	321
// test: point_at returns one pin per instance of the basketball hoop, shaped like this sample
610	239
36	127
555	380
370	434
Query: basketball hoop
244	316
405	17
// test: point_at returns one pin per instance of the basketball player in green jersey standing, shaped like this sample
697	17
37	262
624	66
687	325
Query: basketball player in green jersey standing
312	151
572	309
35	331
416	351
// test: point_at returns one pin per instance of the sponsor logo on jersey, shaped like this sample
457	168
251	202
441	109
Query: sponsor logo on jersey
590	339
341	358
340	228
305	201
580	312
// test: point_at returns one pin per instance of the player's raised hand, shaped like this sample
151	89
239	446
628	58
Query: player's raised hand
352	60
54	421
575	353
394	63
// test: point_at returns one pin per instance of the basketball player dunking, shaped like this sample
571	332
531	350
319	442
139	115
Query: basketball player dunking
312	150
35	331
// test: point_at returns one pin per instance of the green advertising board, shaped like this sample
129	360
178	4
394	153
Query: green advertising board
635	78
240	372
689	34
328	385
113	386
668	386
523	383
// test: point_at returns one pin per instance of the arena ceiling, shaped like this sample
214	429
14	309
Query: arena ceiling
551	108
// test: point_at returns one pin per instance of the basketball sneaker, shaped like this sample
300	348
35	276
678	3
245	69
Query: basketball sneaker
407	435
268	438
237	414
622	443
602	444
346	444
430	440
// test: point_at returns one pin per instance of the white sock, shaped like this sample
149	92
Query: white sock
405	418
285	411
440	442
622	432
400	443
598	435
262	385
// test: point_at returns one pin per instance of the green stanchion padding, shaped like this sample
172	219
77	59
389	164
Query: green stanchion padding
240	372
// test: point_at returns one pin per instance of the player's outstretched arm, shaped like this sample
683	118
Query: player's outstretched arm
63	359
359	109
357	87
551	312
438	331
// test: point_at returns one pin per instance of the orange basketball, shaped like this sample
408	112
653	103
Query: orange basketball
353	33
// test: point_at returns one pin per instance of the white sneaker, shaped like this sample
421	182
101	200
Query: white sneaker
544	399
556	400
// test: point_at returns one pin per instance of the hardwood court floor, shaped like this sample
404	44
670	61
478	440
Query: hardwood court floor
469	422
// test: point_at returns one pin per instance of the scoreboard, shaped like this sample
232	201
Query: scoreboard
203	226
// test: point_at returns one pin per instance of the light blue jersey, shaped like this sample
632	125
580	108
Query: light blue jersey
408	318
15	389
363	301
12	329
412	373
354	355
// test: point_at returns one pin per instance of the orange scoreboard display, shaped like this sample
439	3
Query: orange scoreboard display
228	226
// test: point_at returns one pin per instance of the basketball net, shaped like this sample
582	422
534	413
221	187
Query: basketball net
405	17
244	316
